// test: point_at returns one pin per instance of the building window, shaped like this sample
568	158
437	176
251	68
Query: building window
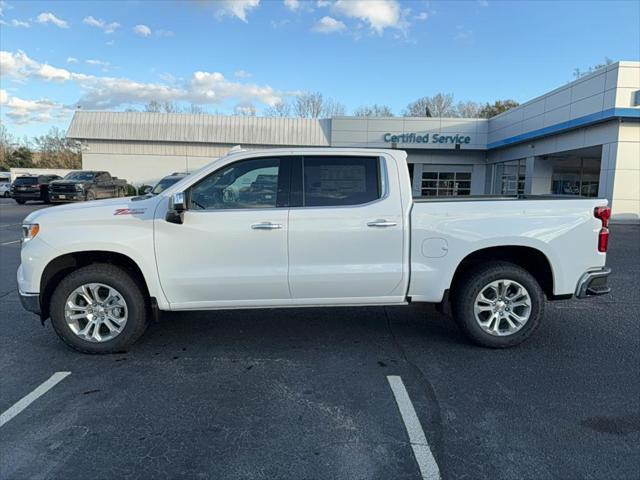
510	177
445	184
575	176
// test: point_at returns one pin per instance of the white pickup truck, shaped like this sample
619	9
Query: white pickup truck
308	228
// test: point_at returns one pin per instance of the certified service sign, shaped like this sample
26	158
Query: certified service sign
426	138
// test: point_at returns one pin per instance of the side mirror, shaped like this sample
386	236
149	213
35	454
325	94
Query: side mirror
178	202
177	206
145	189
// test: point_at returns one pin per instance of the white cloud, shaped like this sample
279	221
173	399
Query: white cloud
27	111
15	23
52	74
483	3
72	60
235	8
242	74
110	43
292	5
48	17
142	30
96	62
4	6
164	33
101	24
16	65
421	16
328	25
378	14
97	92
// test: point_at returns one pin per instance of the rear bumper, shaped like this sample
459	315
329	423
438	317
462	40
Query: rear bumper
26	195
594	283
30	302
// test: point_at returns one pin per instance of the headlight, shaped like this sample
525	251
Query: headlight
79	187
29	231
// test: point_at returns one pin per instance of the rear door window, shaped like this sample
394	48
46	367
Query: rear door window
340	180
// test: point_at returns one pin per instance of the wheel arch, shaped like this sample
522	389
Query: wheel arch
529	258
63	265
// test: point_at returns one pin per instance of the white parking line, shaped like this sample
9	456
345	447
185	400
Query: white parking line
421	451
11	242
33	396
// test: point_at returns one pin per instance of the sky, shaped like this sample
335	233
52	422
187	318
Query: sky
230	55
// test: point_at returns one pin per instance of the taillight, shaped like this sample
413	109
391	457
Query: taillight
603	214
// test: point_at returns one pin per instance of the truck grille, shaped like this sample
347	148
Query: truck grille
62	188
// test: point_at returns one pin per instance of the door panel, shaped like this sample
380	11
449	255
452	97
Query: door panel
231	249
216	257
346	252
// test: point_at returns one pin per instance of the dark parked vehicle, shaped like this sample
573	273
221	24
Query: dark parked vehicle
32	187
87	185
165	183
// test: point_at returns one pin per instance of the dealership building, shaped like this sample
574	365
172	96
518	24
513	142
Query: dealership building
580	139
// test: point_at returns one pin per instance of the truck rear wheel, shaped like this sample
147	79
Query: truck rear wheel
99	309
498	305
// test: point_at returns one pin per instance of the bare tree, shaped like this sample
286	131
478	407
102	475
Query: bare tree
7	143
245	110
468	109
374	110
280	109
55	150
153	106
577	73
439	105
333	108
195	109
309	105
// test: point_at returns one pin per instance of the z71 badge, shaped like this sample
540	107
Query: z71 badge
129	211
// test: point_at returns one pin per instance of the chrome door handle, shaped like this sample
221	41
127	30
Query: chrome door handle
381	224
266	226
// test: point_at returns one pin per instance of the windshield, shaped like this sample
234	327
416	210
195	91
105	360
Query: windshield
165	183
82	176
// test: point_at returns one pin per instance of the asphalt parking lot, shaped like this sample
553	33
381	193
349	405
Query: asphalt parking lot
266	394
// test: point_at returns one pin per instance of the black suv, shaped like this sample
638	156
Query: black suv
32	187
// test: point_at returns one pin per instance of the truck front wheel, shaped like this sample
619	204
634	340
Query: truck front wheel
498	305
99	308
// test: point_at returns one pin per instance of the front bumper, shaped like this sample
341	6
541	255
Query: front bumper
66	197
594	283
30	302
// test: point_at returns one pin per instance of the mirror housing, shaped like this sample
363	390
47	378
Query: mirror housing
177	206
145	189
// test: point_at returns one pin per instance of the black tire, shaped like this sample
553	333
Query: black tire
469	288
90	196
20	202
6	195
45	197
114	277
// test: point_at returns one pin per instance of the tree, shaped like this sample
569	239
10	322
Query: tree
21	157
577	73
315	105
374	110
439	105
245	110
491	110
153	106
280	109
468	109
58	151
